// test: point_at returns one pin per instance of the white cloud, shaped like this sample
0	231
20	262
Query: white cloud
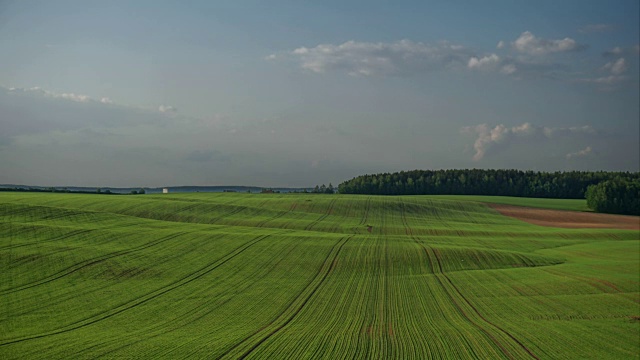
406	57
403	57
596	28
483	62
75	97
550	132
524	129
530	44
584	152
42	92
167	109
38	91
508	69
606	80
618	67
33	90
586	129
614	52
488	137
620	51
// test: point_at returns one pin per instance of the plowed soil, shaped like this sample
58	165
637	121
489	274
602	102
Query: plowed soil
568	219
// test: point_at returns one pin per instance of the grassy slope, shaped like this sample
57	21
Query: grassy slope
291	276
557	204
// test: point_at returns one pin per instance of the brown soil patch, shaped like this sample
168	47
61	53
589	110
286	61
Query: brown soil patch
568	219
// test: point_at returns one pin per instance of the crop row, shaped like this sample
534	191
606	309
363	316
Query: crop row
306	276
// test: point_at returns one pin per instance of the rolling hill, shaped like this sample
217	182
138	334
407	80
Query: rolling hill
227	275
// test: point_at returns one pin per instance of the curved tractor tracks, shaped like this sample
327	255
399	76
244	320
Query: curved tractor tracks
457	297
144	298
86	263
324	216
242	349
201	311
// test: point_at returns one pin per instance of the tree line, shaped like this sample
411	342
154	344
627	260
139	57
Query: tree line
67	191
560	185
617	196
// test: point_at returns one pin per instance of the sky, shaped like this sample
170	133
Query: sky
299	93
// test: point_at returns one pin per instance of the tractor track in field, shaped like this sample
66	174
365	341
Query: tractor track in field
599	284
367	207
227	214
247	282
149	215
86	263
57	238
304	302
438	273
524	347
144	298
328	260
324	216
281	214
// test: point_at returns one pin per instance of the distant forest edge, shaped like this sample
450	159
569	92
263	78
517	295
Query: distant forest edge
610	192
147	190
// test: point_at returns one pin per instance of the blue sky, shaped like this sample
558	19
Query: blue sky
296	93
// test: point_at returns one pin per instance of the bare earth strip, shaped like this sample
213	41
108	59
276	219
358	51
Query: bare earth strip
568	219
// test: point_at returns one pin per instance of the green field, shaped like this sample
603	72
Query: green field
556	204
289	276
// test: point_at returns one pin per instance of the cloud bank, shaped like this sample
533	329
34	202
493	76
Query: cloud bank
596	28
38	91
80	98
403	57
167	109
528	55
50	139
584	152
622	51
489	137
530	44
616	70
483	62
618	67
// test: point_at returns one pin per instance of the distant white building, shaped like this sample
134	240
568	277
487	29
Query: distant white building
165	190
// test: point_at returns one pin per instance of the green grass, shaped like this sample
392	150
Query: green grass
556	204
308	276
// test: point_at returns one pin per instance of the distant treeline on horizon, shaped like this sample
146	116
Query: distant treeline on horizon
559	185
142	190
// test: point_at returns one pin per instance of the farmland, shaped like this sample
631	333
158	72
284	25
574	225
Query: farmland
308	276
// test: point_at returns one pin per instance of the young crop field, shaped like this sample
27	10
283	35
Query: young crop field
558	204
293	276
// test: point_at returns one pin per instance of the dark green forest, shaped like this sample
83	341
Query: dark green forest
615	197
559	185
